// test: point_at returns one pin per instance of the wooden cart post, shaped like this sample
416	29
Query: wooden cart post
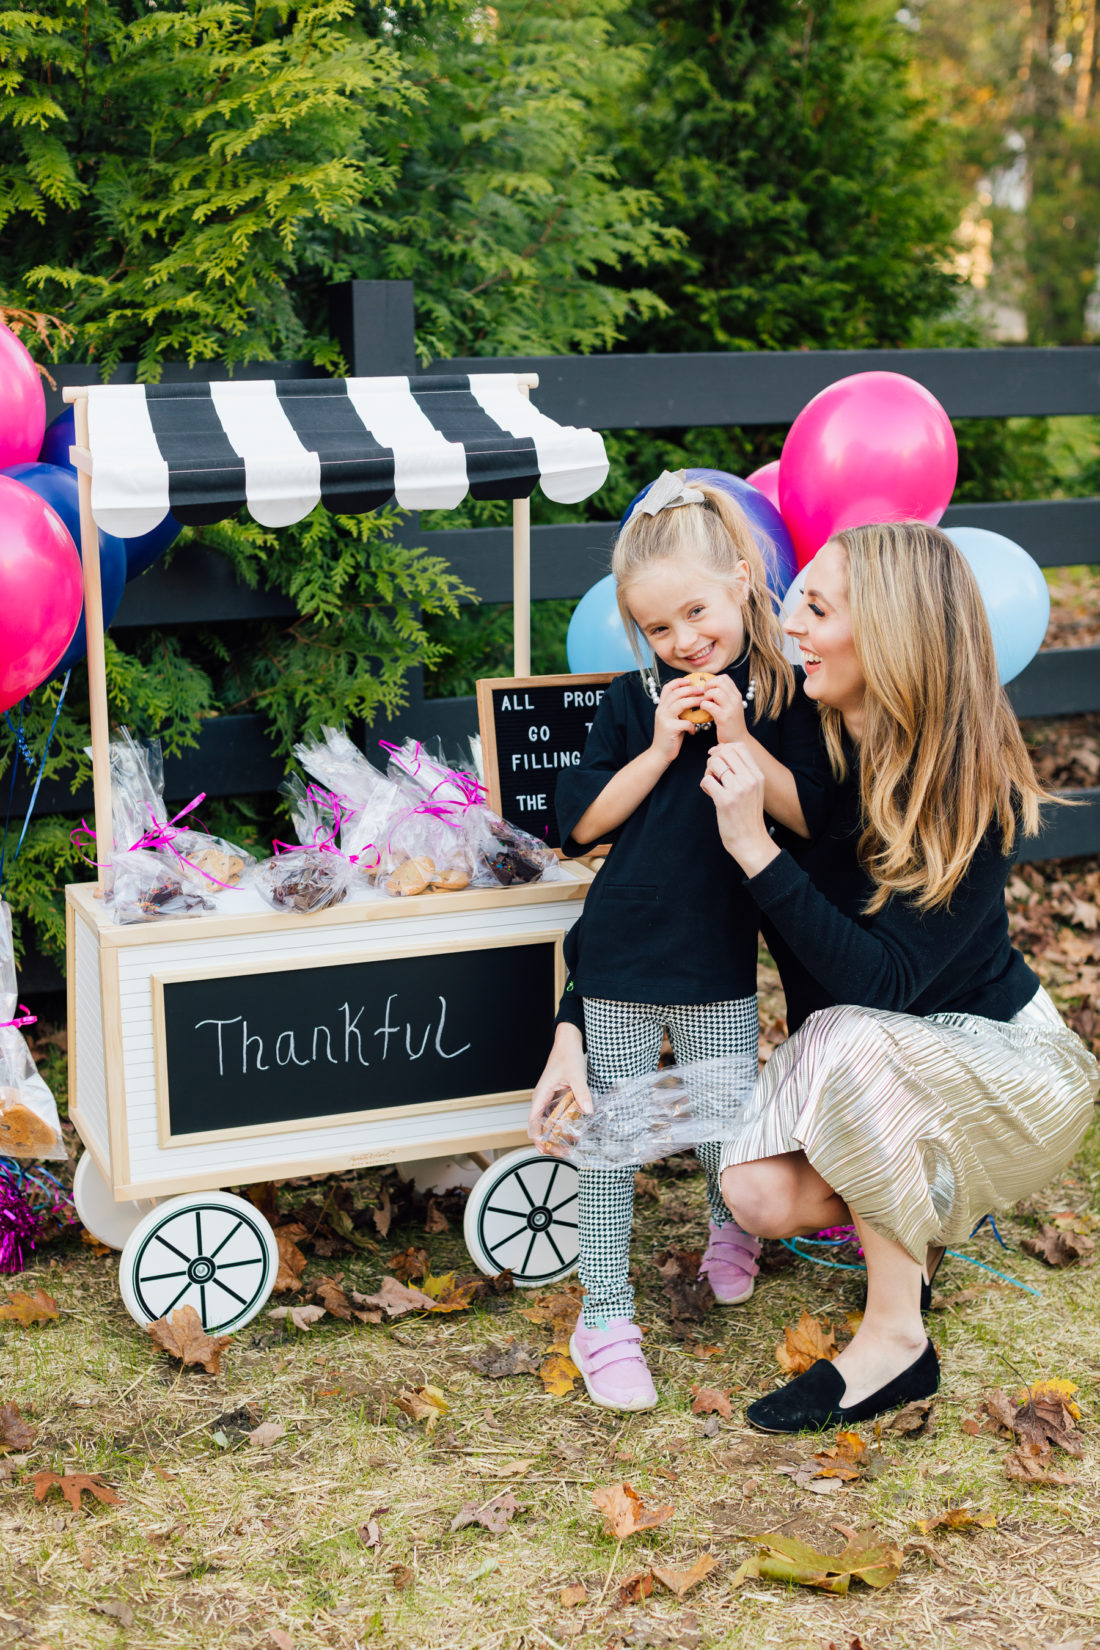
521	564
81	457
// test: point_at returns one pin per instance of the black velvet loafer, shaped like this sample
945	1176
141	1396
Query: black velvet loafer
812	1401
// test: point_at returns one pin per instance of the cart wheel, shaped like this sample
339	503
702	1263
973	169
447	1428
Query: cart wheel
107	1220
521	1216
209	1250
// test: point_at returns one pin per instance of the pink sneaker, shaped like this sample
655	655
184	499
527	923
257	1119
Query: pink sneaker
613	1365
730	1263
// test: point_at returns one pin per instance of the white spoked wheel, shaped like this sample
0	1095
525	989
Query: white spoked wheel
107	1220
521	1217
209	1250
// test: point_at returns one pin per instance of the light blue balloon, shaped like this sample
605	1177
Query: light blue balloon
1015	594
596	639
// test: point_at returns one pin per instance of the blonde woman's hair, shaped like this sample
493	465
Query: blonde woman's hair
715	535
941	756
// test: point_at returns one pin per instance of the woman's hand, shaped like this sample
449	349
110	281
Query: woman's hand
668	730
735	784
565	1069
722	698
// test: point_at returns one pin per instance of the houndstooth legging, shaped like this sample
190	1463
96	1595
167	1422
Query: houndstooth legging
624	1040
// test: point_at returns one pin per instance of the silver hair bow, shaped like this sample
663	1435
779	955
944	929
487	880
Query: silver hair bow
668	492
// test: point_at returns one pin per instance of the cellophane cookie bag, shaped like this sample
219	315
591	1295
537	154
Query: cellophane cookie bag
29	1124
316	874
425	847
368	799
145	883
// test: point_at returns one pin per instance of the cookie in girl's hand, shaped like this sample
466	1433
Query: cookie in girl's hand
699	716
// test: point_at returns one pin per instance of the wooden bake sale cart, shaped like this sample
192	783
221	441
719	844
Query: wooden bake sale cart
248	1044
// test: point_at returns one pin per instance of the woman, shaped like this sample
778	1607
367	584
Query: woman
947	1086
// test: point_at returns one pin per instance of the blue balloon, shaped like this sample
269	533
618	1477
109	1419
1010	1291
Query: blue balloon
596	639
1015	594
141	552
768	527
58	488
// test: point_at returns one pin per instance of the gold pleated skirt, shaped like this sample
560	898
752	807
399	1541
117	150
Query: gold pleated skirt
924	1125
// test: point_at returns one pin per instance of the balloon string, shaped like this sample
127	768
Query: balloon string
11	791
42	767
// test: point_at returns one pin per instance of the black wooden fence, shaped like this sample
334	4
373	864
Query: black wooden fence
374	321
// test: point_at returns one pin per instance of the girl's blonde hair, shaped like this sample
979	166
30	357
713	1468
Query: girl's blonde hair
717	536
941	755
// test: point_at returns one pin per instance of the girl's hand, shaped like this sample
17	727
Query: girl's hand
722	698
668	730
566	1068
735	785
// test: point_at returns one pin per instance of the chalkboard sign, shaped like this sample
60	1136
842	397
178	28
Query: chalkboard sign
340	1040
531	728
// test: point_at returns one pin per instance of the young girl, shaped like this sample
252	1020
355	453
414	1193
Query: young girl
667	938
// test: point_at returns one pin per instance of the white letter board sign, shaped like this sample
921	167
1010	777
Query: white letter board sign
326	1041
531	728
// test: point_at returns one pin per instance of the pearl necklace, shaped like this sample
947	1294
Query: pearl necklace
649	680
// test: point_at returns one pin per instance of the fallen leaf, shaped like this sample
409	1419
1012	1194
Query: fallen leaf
370	1533
695	1350
495	1515
344	1227
1051	1392
1027	1464
690	1297
182	1336
803	1345
278	1640
457	1295
849	1458
636	1588
914	1420
333	1297
117	1608
27	1309
709	1401
646	1186
395	1299
571	1596
1045	1422
98	1248
15	1433
409	1264
957	1518
786	1559
510	1358
558	1374
682	1581
423	1403
383	1215
625	1513
72	1485
435	1221
302	1317
266	1434
402	1576
292	1262
1058	1247
558	1311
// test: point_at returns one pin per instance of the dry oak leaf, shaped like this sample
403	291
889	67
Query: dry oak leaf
292	1262
915	1419
395	1299
709	1401
625	1513
1027	1464
509	1358
784	1558
636	1588
803	1345
576	1593
182	1336
15	1433
495	1515
72	1485
682	1581
958	1518
333	1297
302	1317
27	1309
1044	1423
1058	1248
558	1374
409	1264
422	1403
266	1434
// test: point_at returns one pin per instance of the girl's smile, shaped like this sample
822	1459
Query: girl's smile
690	619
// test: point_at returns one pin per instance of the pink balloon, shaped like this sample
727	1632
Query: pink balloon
766	481
873	447
22	403
40	590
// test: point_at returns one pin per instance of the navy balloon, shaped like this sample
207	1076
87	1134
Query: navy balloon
141	552
768	527
596	639
58	488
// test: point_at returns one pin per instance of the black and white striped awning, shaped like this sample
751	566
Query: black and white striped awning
281	447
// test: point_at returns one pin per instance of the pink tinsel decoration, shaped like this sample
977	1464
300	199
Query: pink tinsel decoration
18	1224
